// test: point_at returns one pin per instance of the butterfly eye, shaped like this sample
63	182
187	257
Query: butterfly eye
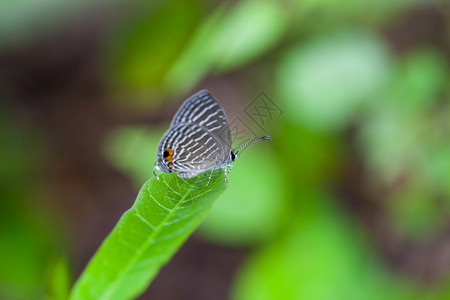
233	156
166	153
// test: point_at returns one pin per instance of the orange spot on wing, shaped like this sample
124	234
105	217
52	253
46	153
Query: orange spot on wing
169	157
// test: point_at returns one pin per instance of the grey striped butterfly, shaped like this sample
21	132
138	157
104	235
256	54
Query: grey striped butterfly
198	140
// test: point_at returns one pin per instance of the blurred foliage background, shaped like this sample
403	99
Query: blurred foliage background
351	200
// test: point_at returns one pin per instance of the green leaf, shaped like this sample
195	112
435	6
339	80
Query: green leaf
255	193
165	213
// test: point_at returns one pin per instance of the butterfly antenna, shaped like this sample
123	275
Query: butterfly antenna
257	140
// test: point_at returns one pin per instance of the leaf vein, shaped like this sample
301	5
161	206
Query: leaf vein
110	290
145	220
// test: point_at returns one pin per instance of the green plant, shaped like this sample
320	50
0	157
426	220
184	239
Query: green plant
165	213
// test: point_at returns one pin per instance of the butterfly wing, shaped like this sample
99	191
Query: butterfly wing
190	150
202	109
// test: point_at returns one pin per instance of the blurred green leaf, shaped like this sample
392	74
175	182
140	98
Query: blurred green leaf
324	81
415	210
229	38
132	150
402	125
391	140
195	61
165	213
25	249
420	79
437	165
27	233
323	15
405	137
60	279
247	31
313	154
146	48
257	195
324	258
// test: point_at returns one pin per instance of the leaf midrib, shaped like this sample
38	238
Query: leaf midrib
157	230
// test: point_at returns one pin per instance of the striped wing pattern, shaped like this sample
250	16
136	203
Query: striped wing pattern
199	137
204	110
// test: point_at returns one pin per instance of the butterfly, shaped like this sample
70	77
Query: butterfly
198	140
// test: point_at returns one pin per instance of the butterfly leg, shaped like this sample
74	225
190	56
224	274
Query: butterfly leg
210	175
227	170
226	174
